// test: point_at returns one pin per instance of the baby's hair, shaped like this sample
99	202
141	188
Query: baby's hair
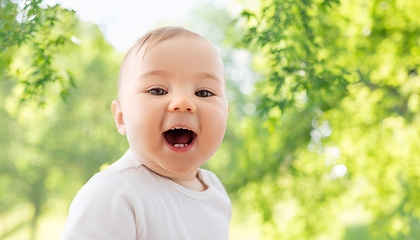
161	34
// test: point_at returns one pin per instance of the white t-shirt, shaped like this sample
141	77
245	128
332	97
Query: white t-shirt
129	201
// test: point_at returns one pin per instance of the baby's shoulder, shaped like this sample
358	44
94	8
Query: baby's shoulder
122	178
211	179
118	177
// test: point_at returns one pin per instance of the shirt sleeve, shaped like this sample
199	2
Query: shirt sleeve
101	210
215	181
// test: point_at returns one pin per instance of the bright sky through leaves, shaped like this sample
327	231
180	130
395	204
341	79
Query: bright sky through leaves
123	22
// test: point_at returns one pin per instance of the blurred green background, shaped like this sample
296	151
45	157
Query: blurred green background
323	138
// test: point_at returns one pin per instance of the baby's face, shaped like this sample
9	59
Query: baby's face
173	105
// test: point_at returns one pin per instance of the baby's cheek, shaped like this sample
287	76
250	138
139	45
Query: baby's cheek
216	125
138	128
219	116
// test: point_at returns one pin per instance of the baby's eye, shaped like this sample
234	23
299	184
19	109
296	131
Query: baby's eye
157	91
204	93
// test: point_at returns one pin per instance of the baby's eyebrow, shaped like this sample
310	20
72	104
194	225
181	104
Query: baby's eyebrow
204	75
155	72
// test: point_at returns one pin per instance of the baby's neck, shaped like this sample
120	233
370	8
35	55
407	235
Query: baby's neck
194	184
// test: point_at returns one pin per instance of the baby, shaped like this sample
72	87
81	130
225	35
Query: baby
172	106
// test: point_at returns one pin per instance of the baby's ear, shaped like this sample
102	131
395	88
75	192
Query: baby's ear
118	116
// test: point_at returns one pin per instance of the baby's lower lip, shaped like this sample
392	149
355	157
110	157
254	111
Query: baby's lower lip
179	149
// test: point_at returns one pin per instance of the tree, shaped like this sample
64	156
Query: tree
339	102
48	153
41	29
335	133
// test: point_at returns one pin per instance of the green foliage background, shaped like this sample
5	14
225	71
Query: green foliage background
314	87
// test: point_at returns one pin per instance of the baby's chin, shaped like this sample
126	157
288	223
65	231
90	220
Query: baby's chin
178	167
170	166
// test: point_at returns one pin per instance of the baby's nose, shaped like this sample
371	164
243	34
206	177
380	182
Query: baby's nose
182	103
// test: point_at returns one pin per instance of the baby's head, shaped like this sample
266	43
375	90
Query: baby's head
171	101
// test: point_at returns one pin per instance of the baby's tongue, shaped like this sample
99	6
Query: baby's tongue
178	137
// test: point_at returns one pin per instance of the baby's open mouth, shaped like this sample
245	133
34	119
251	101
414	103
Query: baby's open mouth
179	137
